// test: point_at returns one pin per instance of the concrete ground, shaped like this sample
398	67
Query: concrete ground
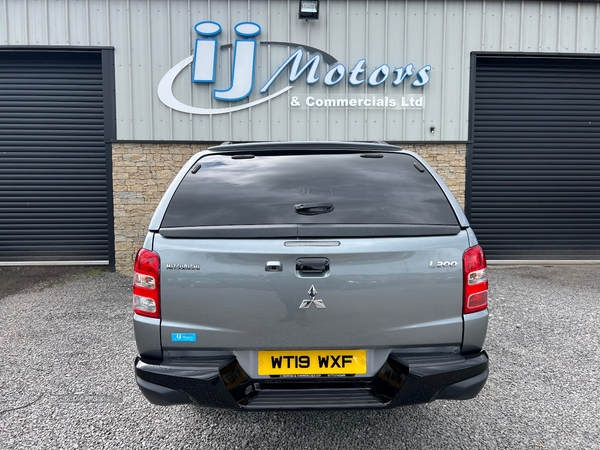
66	379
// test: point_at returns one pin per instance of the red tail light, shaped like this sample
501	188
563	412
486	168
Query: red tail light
475	285
146	284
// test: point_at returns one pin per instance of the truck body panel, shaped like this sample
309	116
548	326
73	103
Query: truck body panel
379	292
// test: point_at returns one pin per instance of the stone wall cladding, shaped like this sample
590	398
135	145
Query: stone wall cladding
143	172
141	175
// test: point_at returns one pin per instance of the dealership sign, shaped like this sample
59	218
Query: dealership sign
204	64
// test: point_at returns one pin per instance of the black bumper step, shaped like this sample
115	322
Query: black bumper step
314	399
222	383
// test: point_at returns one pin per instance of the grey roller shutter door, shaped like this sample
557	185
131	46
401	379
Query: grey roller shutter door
533	171
53	168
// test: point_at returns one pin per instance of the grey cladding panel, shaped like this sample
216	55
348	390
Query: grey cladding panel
53	172
535	162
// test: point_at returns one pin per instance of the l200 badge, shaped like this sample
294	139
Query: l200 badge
442	264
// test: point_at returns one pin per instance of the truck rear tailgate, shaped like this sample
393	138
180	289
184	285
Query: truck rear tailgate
378	292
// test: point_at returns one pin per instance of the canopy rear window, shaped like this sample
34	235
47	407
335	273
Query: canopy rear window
310	189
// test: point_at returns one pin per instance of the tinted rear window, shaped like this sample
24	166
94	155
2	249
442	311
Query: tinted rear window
263	190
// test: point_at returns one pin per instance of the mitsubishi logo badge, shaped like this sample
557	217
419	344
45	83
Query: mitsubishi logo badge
307	303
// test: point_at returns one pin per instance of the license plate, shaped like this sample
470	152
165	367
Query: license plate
312	362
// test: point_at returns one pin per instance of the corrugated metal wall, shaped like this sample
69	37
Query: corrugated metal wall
151	36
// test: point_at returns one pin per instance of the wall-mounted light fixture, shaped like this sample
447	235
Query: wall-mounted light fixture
309	10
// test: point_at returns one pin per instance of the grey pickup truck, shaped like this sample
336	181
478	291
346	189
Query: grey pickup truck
309	276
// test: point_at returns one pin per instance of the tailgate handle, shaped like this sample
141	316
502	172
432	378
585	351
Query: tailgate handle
312	209
316	267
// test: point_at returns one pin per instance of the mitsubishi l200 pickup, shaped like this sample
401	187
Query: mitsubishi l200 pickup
309	276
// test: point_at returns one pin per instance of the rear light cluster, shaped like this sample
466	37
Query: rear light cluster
475	280
146	284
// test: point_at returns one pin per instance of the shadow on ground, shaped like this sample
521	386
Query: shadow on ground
16	279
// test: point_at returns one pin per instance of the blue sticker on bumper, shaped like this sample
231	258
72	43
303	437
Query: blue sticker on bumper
183	337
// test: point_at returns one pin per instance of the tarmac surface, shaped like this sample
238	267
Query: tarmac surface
67	381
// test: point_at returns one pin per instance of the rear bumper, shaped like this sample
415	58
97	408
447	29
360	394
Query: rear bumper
222	383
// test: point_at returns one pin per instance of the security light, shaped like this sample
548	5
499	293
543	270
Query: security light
309	10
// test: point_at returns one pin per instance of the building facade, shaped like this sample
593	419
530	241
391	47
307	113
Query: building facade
101	102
